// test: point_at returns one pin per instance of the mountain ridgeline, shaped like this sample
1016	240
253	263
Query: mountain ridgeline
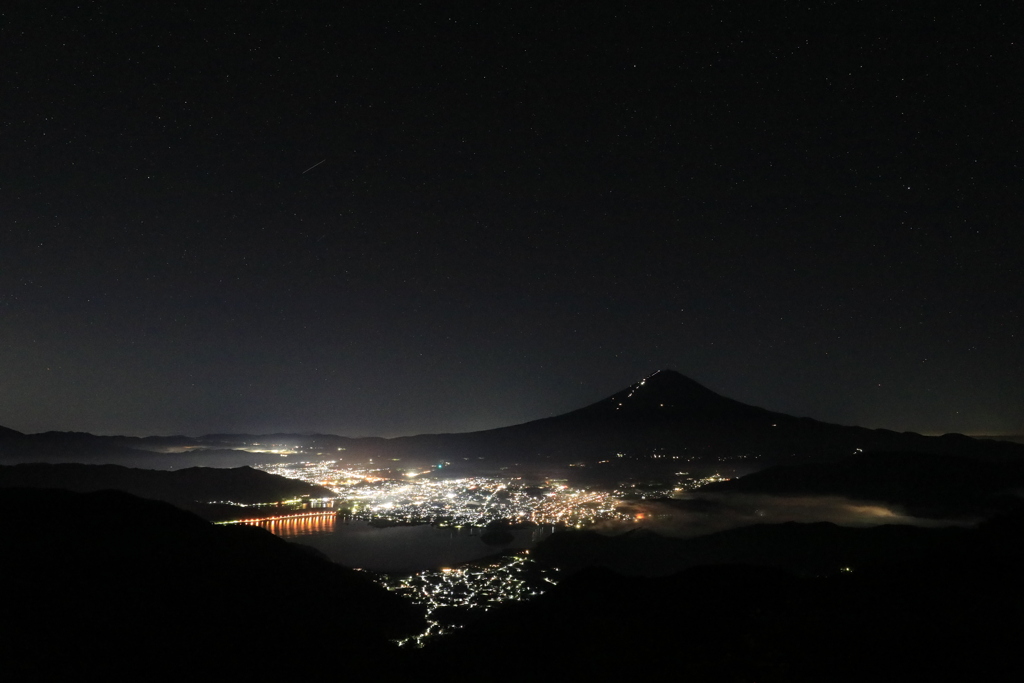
112	584
670	415
665	414
242	485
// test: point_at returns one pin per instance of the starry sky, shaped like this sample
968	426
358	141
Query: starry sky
398	217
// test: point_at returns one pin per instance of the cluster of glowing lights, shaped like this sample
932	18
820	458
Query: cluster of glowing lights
284	516
414	498
475	587
634	390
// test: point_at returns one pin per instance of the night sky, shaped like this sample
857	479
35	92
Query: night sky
391	218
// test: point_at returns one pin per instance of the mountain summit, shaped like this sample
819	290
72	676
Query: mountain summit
669	417
665	391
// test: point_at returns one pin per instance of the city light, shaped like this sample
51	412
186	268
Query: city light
376	494
470	589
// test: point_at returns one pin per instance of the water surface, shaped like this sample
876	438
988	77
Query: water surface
396	549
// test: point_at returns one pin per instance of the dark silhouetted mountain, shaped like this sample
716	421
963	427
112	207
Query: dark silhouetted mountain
926	485
182	487
672	415
817	549
111	584
7	433
71	447
953	612
663	392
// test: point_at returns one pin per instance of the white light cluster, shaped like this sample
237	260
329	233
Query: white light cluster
475	587
472	501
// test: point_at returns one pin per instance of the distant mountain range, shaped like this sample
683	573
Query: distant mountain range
663	416
240	485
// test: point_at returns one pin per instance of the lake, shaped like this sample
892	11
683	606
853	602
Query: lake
396	549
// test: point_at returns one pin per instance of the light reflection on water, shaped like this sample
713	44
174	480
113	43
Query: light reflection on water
293	527
396	549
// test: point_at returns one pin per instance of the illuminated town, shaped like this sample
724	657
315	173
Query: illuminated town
452	596
419	497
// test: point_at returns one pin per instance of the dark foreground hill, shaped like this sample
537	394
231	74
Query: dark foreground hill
112	585
816	549
952	612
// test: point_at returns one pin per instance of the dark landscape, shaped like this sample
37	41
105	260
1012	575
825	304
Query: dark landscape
763	601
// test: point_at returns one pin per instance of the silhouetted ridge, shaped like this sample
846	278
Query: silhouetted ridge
667	416
6	432
115	585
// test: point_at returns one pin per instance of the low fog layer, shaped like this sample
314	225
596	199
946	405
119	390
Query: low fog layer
705	513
